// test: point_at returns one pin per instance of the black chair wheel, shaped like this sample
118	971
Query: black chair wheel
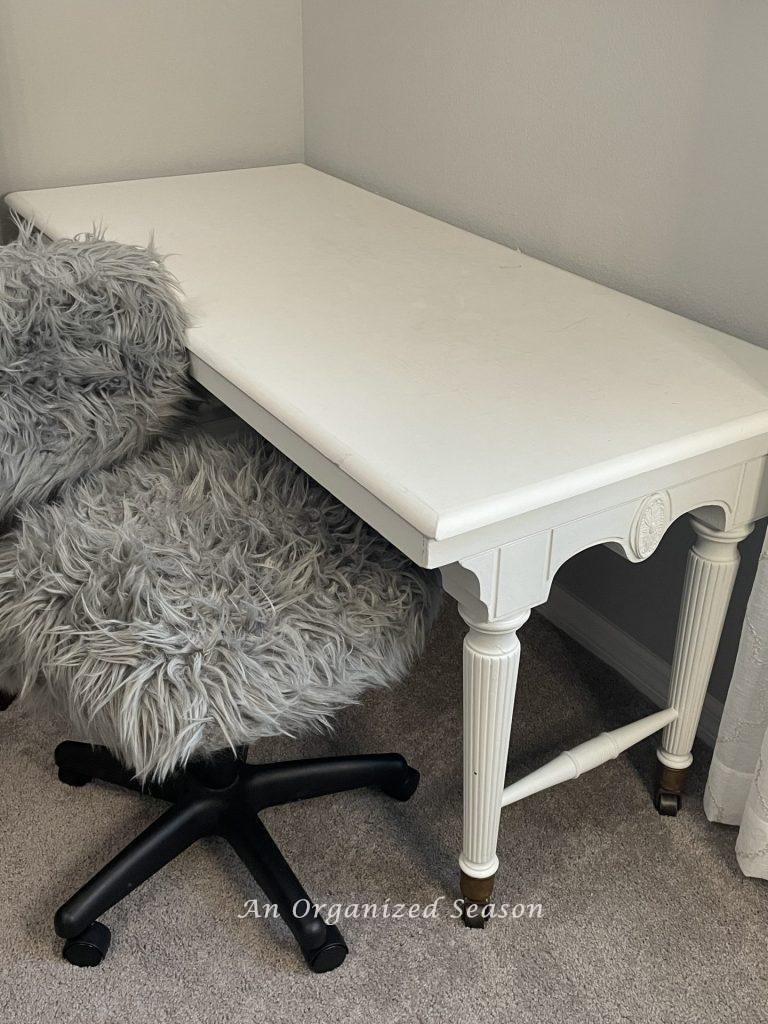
406	787
475	915
88	948
328	957
72	777
667	804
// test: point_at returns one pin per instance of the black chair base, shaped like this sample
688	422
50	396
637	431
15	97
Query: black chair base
218	797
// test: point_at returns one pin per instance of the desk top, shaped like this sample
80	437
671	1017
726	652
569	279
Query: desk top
458	381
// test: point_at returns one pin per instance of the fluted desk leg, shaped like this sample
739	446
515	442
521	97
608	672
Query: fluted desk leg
491	659
712	565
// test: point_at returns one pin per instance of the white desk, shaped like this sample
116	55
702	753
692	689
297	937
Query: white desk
486	412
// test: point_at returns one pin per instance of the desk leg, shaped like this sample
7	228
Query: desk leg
491	659
712	565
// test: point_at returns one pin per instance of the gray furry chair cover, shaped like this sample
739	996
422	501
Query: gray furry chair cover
92	360
202	595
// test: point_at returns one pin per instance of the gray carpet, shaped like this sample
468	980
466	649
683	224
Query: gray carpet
644	918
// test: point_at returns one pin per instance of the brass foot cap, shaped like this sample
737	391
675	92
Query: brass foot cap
671	780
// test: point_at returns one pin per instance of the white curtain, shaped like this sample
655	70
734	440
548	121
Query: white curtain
737	788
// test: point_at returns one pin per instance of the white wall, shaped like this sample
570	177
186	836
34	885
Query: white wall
93	90
626	140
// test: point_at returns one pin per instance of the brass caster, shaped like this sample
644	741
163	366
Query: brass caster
670	784
475	915
666	803
477	895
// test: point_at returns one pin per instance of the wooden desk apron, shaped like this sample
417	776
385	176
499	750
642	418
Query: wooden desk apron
488	413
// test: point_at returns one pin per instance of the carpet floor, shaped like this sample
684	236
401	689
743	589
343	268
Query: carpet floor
643	918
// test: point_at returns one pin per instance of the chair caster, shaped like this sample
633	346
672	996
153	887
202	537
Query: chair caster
475	915
667	804
88	948
405	788
330	955
71	777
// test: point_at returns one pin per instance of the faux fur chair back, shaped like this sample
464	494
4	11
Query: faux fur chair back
92	360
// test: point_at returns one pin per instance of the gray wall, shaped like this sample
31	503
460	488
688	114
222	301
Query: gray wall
97	90
623	140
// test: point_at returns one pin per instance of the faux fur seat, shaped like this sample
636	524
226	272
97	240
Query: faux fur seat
201	596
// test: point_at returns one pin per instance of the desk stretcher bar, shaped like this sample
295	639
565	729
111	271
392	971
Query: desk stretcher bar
572	763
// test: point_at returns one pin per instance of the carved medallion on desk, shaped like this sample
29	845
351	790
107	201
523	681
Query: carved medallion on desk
650	524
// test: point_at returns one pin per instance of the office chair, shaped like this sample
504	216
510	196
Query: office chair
179	605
